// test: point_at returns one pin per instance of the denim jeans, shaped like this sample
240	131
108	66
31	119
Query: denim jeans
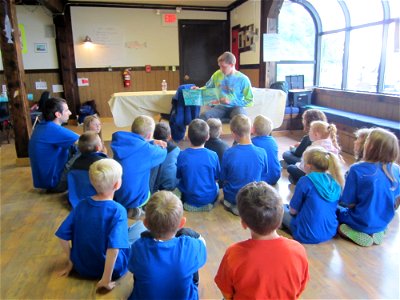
223	113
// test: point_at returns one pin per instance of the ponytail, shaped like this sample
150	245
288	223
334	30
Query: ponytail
333	135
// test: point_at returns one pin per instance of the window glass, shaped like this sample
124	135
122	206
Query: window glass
326	9
392	69
364	58
394	6
364	11
296	69
331	66
297	33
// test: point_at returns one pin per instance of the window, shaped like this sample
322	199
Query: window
297	39
342	44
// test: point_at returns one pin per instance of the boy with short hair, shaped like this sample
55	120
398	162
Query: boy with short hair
89	146
163	265
214	143
242	163
198	170
97	228
262	128
79	187
267	266
163	177
137	155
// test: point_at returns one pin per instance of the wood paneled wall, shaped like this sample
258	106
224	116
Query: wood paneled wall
103	84
376	105
50	77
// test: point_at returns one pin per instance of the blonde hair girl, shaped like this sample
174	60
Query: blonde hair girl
93	123
311	216
294	154
321	132
359	143
371	190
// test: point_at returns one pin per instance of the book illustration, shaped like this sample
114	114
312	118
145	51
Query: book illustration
200	97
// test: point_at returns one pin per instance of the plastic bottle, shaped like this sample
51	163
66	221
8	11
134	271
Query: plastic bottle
164	86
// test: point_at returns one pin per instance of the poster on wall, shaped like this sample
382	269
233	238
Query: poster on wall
41	85
24	46
271	46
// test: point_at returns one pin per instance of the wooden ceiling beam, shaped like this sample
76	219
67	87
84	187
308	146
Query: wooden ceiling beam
55	6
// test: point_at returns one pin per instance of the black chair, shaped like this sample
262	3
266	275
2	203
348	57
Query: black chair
5	120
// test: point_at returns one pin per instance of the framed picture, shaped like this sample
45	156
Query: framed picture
41	47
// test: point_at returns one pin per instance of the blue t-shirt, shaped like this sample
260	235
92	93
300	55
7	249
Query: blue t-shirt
270	146
316	220
137	157
163	177
198	171
48	153
373	196
164	269
241	165
93	227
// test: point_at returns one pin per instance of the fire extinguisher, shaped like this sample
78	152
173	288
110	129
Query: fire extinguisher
127	77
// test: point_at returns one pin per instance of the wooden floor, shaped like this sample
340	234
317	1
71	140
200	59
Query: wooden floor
31	256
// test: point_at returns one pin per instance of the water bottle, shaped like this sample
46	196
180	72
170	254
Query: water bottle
164	86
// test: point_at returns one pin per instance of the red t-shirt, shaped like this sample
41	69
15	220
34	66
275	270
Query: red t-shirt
264	269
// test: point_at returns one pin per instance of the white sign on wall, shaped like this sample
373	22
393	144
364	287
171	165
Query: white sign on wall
272	47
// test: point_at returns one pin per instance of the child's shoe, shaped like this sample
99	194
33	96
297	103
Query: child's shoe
189	207
231	207
135	213
283	164
360	238
378	237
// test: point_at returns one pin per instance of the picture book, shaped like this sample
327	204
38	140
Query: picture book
201	97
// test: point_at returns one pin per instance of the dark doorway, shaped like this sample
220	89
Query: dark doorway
200	44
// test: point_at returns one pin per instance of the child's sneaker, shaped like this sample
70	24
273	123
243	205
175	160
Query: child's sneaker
135	213
231	207
360	238
378	237
283	164
189	207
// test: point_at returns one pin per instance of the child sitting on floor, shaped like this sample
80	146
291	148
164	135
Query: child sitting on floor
311	215
79	187
293	155
359	143
215	143
371	190
164	264
267	266
93	123
97	229
242	163
262	128
321	134
163	176
137	154
198	170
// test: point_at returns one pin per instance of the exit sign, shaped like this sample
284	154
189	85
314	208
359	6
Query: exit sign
169	19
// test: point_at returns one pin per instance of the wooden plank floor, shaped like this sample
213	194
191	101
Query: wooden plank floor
31	256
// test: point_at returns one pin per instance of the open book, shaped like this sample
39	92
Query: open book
201	97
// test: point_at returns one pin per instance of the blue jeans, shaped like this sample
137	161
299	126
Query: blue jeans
290	158
135	230
223	112
295	173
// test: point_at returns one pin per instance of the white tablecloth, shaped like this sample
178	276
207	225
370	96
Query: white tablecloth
125	107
